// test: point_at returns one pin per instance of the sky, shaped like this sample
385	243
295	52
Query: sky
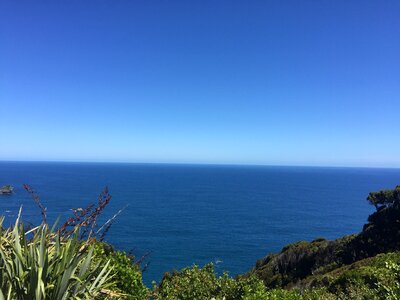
232	82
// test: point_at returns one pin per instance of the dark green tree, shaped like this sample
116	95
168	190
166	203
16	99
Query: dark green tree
384	198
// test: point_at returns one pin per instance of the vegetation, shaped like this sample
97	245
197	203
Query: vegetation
370	278
352	267
384	198
299	260
70	261
203	283
47	267
66	261
127	283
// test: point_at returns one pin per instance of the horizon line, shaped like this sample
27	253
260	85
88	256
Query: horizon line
197	163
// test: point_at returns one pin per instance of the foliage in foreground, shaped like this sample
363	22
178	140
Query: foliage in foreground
44	266
203	283
68	262
372	278
127	274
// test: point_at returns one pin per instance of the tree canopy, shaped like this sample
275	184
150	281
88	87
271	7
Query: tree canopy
384	198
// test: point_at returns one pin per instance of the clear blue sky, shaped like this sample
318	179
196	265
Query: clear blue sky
259	82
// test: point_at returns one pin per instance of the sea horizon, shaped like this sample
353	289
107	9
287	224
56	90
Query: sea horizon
339	166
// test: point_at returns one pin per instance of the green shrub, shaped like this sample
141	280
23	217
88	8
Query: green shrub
189	283
377	278
202	283
127	277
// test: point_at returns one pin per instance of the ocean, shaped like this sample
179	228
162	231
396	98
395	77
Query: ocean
195	214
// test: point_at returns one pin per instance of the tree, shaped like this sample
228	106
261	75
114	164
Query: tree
384	198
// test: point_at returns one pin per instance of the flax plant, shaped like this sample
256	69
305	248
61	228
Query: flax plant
44	264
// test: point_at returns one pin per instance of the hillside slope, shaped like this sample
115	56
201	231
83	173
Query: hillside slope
298	261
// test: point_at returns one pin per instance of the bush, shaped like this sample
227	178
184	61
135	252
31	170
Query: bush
202	283
127	276
376	278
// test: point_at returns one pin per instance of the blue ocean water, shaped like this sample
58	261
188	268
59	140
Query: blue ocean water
185	214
